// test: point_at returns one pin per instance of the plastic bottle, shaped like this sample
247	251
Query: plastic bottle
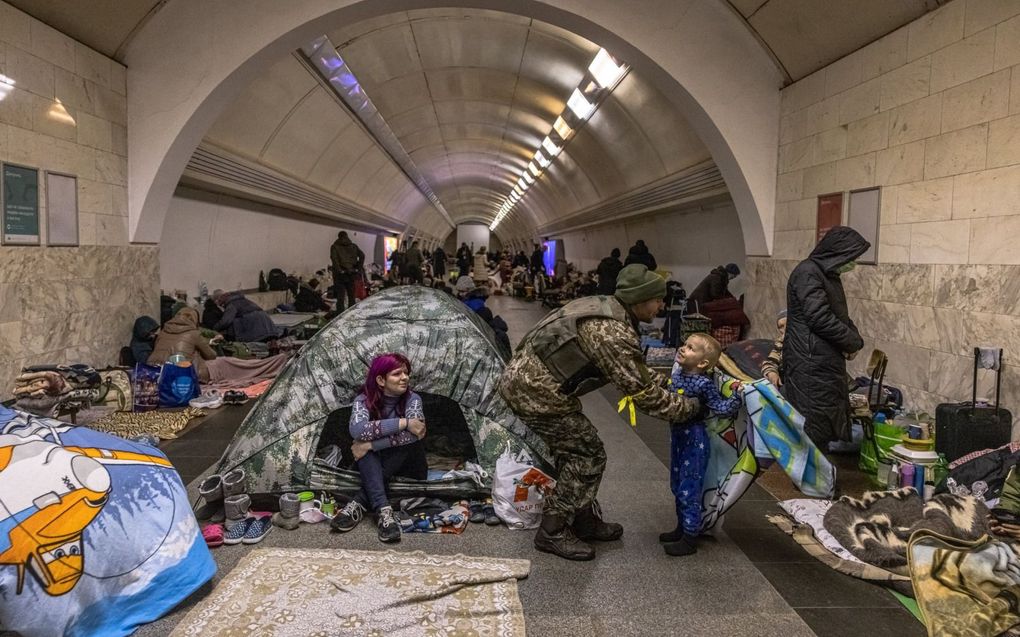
894	476
907	475
919	479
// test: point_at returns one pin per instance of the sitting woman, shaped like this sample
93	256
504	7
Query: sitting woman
181	335
387	424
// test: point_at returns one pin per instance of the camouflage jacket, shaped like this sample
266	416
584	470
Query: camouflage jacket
530	389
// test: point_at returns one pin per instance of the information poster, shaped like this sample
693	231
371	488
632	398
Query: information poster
20	205
830	213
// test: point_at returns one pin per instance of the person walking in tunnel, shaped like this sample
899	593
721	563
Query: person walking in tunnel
572	351
346	260
463	259
538	260
609	268
821	337
439	264
413	262
639	253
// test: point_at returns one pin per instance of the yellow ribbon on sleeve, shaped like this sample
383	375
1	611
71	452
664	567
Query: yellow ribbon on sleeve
628	402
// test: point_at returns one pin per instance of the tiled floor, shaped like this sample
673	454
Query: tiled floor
830	603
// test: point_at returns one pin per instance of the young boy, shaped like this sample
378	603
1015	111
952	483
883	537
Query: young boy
689	445
772	366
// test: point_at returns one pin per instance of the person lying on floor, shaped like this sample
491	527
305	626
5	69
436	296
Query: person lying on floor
388	425
181	335
243	320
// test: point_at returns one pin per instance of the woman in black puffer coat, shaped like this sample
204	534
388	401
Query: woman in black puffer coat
820	337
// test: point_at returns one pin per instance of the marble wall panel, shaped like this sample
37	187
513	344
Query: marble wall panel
864	282
908	284
978	288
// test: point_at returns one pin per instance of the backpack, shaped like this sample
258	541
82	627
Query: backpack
277	279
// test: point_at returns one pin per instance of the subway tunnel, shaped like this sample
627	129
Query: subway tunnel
204	142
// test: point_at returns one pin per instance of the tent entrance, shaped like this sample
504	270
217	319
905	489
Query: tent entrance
448	442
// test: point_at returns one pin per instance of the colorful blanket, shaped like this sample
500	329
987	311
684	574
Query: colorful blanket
766	429
96	533
965	589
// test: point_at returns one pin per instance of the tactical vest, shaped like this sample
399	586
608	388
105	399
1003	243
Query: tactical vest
554	341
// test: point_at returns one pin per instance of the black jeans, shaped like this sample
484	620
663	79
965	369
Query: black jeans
343	283
377	467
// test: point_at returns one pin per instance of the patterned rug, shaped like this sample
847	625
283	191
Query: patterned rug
362	593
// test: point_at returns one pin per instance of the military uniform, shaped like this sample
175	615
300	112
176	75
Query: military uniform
580	347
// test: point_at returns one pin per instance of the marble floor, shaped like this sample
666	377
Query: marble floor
752	579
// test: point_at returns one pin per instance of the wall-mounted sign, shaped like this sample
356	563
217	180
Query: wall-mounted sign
61	210
20	205
830	213
863	216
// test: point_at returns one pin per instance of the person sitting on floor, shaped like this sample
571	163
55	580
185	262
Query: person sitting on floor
243	320
774	362
181	335
388	425
309	299
143	334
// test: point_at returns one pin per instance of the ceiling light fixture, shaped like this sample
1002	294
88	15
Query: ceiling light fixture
550	147
562	128
580	105
605	70
542	161
535	170
528	177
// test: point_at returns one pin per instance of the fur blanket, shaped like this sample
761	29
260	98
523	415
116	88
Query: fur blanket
877	527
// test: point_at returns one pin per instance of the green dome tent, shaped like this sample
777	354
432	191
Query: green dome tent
284	442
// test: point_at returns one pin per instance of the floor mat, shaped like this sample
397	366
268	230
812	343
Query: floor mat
304	592
161	423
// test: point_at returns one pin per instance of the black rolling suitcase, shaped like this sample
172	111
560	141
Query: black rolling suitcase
961	428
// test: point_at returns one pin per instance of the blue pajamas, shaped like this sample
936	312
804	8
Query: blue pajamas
688	461
689	446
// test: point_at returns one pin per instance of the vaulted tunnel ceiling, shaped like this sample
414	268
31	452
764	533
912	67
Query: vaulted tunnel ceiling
469	95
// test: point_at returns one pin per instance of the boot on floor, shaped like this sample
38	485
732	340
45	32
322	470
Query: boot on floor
590	527
675	535
557	537
686	545
211	490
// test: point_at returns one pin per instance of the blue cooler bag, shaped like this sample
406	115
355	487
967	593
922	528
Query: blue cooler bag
178	385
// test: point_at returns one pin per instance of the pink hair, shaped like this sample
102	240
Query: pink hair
382	365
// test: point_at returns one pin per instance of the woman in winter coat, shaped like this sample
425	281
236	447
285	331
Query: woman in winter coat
639	253
609	268
820	336
181	335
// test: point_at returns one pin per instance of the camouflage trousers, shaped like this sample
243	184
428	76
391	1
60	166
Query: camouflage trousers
580	458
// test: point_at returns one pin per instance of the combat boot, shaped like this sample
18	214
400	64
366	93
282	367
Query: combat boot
590	527
555	536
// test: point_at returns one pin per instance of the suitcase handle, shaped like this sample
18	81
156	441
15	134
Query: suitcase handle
998	382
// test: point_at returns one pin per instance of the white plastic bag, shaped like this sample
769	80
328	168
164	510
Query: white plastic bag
518	490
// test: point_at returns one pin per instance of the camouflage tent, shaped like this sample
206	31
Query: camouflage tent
453	355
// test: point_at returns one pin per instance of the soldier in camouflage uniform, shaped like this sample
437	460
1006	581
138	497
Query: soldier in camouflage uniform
572	351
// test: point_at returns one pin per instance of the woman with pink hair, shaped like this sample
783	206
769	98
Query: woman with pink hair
387	424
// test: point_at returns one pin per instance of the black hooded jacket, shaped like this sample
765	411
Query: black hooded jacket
609	268
715	286
819	335
143	335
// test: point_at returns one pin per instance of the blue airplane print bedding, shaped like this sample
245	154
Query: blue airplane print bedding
96	533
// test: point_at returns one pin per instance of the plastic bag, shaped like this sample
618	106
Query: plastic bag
178	385
519	489
145	387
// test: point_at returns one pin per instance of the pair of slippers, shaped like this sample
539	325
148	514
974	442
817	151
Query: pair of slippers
251	530
484	512
234	397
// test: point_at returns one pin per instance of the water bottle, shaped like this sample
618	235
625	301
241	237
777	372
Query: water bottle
894	476
907	475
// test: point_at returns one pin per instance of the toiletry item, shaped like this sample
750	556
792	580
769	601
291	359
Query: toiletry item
919	479
894	477
907	475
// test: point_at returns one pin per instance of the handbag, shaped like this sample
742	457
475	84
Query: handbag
116	390
519	489
178	385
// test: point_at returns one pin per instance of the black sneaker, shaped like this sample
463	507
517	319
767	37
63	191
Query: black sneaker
348	518
389	528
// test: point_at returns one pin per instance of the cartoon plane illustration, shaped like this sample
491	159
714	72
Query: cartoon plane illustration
49	493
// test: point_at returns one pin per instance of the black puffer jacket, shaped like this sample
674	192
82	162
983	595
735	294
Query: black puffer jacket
819	335
639	253
713	287
609	268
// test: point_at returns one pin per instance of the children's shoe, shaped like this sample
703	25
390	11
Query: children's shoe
211	490
236	508
348	518
211	399
477	513
257	530
235	534
675	535
286	523
491	519
687	545
389	529
213	535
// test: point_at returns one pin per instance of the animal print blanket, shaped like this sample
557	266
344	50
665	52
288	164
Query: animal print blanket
877	527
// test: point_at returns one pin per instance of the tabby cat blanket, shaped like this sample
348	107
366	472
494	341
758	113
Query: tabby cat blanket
877	527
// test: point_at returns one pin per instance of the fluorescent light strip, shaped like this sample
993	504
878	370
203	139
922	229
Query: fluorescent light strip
550	147
562	128
605	70
542	161
580	105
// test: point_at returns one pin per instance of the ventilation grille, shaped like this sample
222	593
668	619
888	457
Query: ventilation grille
698	183
206	162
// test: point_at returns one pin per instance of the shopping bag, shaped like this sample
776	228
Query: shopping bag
116	390
178	385
145	387
519	489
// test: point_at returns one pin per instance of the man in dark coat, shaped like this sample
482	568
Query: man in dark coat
439	263
538	260
521	260
608	270
715	286
346	259
464	258
639	253
820	336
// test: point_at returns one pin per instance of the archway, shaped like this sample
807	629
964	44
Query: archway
684	48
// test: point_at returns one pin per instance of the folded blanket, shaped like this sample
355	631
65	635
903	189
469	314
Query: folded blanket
877	527
965	588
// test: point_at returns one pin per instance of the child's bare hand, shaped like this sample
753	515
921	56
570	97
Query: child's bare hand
774	379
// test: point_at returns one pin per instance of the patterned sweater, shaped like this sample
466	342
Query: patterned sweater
385	432
774	362
703	387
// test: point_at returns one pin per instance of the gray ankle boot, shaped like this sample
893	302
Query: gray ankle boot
236	508
211	490
234	482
